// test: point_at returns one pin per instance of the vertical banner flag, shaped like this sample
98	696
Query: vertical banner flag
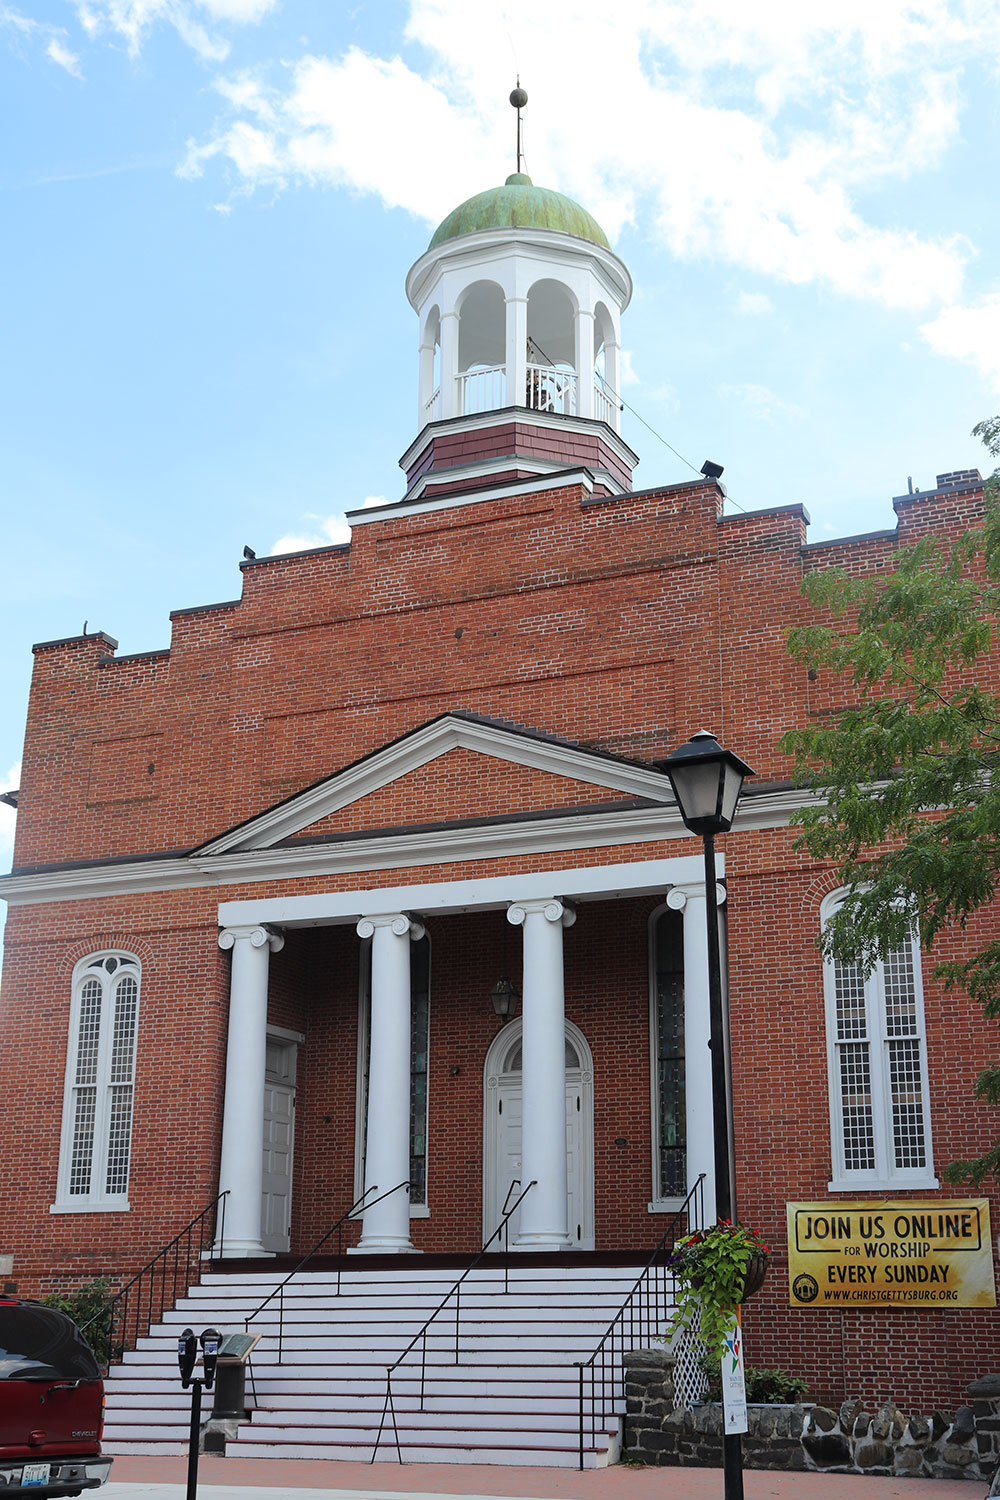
734	1390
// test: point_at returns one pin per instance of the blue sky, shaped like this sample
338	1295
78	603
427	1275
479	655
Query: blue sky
208	208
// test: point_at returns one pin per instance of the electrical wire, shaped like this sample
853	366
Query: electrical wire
624	405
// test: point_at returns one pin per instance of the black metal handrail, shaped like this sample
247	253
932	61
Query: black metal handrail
338	1229
134	1302
641	1316
503	1228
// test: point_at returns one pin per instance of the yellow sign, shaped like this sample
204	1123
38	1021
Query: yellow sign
936	1253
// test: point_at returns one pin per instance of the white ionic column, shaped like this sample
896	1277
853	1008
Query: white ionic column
241	1166
386	1226
543	1220
690	899
517	351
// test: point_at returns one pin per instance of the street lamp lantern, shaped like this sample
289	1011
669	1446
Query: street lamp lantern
706	780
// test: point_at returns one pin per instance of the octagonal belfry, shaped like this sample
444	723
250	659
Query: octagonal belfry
519	297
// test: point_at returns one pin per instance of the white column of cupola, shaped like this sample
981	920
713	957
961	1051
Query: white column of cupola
241	1165
543	1214
386	1224
699	1127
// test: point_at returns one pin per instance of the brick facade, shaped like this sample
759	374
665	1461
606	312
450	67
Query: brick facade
621	627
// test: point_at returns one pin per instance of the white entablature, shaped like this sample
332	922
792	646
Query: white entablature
519	316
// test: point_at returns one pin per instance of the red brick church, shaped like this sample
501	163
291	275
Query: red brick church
275	884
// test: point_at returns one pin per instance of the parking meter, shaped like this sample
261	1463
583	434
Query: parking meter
187	1353
210	1340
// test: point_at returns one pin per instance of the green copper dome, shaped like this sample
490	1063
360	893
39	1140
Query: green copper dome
519	205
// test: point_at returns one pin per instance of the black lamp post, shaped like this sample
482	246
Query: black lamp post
707	781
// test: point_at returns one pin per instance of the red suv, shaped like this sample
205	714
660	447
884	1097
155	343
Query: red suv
51	1404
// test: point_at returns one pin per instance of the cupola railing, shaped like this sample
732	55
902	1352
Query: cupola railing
547	388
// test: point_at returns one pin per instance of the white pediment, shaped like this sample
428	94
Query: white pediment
419	748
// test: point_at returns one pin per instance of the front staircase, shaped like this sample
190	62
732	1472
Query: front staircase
512	1398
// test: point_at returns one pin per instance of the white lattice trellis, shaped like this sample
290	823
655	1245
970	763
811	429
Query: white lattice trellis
690	1380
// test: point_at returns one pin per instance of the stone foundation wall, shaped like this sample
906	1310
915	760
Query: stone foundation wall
946	1445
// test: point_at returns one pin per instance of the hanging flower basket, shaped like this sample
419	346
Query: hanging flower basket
714	1270
755	1273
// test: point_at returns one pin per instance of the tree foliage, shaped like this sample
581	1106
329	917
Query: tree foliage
908	778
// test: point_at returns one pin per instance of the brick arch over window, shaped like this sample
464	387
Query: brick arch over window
113	942
95	1146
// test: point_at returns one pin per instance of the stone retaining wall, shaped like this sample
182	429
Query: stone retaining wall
960	1445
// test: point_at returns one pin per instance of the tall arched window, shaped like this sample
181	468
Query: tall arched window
879	1104
100	1075
666	1005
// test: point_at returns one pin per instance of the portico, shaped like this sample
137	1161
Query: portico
544	906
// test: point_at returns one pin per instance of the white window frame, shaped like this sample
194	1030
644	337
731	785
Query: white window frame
417	1210
658	1204
96	1199
885	1174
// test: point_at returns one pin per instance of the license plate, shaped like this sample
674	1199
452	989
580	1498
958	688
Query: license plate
33	1474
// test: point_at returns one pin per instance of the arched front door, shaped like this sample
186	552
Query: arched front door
502	1133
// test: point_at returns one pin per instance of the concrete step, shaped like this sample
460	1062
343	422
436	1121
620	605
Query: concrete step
428	1453
512	1398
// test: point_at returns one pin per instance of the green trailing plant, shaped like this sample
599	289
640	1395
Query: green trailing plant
764	1387
87	1302
710	1267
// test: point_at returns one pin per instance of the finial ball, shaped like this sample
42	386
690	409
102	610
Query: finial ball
519	97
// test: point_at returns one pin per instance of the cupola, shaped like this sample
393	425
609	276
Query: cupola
519	298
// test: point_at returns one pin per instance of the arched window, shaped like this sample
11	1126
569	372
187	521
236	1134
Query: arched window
879	1105
100	1076
420	964
669	1104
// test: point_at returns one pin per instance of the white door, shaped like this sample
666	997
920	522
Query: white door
502	1177
279	1138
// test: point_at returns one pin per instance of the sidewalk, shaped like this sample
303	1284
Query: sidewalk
134	1478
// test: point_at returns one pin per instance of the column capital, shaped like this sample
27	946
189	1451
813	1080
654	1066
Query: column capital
552	908
258	935
678	896
400	923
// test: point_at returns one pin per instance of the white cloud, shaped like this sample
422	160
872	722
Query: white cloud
626	369
327	531
762	402
61	54
8	816
754	304
55	47
133	20
746	134
969	333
